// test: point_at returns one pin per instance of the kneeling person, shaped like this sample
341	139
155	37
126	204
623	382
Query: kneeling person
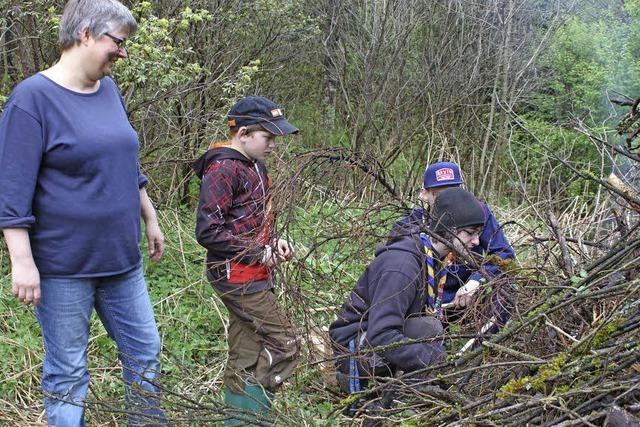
463	280
399	296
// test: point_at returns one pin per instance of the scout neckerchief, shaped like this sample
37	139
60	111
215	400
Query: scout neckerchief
434	292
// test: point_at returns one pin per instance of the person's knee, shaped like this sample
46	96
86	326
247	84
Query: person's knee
70	383
423	327
285	343
142	362
147	347
153	357
292	344
154	345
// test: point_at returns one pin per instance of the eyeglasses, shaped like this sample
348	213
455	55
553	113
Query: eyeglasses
472	232
117	40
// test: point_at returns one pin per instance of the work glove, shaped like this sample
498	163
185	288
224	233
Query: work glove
465	294
268	257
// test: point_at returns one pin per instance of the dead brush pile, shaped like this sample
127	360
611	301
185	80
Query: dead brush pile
570	354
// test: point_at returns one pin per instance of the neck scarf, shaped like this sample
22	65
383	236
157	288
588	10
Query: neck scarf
435	285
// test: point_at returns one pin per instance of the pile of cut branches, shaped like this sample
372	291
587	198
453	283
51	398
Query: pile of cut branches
570	354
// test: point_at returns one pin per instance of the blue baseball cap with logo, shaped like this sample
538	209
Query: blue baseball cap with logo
442	174
252	110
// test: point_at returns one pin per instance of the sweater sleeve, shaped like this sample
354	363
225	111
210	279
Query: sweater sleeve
142	178
390	302
21	150
212	228
493	242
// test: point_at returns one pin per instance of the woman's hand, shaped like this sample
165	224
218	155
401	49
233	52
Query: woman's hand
155	240
25	282
25	277
466	294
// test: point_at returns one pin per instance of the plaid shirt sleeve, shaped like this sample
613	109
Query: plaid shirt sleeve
212	230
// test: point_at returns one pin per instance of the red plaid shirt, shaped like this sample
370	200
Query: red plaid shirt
233	220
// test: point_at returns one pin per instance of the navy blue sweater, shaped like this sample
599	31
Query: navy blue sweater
69	174
391	289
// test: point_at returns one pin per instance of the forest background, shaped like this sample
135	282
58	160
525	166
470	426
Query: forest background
524	94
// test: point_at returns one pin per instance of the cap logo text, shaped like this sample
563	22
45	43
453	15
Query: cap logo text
445	174
276	112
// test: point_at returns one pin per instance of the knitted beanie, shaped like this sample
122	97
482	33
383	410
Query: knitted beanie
455	209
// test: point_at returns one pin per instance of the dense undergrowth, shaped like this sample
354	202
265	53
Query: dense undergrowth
334	238
192	322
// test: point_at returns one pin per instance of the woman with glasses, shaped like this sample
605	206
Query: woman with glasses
70	207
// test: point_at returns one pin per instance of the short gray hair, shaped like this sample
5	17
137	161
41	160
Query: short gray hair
97	16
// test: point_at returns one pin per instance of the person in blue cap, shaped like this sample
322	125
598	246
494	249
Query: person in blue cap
463	281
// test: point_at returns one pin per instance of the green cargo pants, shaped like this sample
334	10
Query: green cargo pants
263	346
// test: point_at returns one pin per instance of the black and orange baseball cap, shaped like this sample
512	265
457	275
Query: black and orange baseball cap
252	110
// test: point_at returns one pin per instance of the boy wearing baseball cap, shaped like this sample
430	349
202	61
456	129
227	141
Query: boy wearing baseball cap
462	281
399	297
235	225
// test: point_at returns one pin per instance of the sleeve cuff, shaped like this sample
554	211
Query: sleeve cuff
142	181
475	276
24	222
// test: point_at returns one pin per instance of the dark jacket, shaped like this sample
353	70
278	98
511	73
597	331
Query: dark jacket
492	242
232	221
391	289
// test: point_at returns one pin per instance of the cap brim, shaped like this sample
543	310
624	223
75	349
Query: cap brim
444	184
279	127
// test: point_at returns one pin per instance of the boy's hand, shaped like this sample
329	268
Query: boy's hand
465	294
285	250
269	258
